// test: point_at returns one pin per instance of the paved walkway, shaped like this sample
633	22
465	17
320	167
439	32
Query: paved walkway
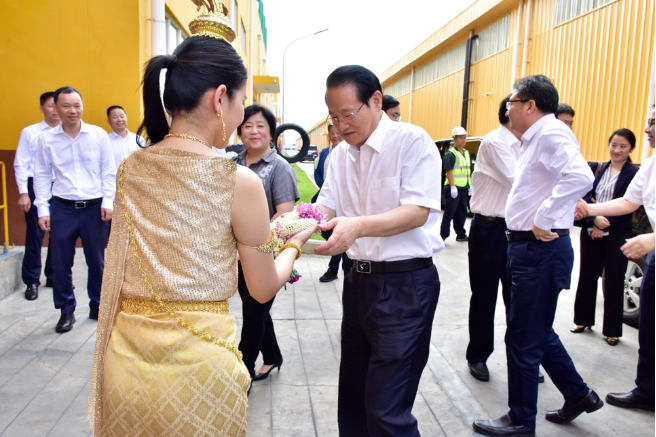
44	376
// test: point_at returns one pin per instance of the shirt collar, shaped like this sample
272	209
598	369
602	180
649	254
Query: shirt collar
118	137
375	140
45	126
507	135
60	130
266	158
531	131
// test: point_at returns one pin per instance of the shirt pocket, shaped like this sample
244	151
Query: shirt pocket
91	159
384	194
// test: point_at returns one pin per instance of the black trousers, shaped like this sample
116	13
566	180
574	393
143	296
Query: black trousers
31	271
333	264
538	272
67	224
386	330
597	255
645	378
456	210
488	258
257	333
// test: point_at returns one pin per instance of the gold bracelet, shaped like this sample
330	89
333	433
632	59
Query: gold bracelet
286	245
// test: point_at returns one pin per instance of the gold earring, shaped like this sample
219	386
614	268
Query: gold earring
220	115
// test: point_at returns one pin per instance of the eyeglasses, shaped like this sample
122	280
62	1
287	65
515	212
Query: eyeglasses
346	119
650	122
510	102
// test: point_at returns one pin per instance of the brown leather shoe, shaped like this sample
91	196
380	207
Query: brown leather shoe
570	411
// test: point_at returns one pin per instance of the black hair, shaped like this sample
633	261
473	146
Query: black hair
503	118
624	133
111	108
329	126
256	108
365	81
198	64
564	108
540	89
45	96
389	102
65	90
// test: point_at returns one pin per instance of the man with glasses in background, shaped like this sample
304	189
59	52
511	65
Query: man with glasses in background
392	107
383	207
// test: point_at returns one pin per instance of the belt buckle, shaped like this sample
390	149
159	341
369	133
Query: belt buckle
80	204
508	237
361	265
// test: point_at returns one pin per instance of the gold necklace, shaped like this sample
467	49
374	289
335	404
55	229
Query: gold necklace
186	137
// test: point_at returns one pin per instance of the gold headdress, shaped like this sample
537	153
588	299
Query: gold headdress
213	22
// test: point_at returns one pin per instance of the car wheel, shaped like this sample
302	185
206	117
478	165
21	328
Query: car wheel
632	283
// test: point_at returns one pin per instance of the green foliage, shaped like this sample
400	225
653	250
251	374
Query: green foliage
306	190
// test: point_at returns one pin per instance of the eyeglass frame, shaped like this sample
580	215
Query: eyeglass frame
343	119
651	122
510	102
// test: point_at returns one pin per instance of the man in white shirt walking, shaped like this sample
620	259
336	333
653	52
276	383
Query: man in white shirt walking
551	176
24	171
83	193
491	182
124	142
383	204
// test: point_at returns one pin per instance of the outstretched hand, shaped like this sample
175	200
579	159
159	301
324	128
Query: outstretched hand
581	211
639	246
345	231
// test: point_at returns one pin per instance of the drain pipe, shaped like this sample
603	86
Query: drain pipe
465	91
515	65
158	23
527	29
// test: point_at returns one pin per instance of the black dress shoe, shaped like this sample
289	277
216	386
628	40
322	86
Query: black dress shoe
479	371
93	313
628	400
330	275
463	238
49	283
571	411
65	323
32	292
502	426
540	377
265	375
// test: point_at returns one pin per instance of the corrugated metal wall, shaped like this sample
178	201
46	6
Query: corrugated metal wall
601	64
600	61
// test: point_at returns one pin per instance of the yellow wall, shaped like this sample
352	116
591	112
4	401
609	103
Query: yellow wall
599	61
92	46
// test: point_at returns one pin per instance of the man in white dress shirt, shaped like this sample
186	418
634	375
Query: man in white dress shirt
83	191
24	171
124	142
491	181
383	201
551	176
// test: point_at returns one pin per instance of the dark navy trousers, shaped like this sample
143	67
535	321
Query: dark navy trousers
67	224
456	210
645	379
31	272
386	330
538	272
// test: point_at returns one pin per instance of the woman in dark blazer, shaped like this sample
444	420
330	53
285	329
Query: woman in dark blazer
601	239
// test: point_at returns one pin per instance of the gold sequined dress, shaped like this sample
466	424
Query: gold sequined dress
173	371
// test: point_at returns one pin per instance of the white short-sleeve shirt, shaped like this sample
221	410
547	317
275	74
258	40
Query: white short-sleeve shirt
641	189
398	165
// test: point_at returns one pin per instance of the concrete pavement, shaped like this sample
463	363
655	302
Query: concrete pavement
44	376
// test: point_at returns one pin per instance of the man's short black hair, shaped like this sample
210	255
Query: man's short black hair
540	89
503	118
364	80
66	90
389	102
268	116
564	108
329	126
111	108
45	96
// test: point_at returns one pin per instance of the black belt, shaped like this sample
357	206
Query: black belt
406	265
79	204
490	219
530	236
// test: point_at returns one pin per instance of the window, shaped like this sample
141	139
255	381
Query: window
174	36
567	9
399	88
443	65
242	36
491	40
232	13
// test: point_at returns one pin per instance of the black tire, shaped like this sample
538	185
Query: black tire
632	283
304	137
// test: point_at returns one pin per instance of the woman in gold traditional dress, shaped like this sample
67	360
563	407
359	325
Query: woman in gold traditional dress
166	361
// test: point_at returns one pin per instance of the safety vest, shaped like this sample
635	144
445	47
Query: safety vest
462	168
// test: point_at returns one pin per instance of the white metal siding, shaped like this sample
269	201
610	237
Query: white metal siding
442	66
491	40
399	88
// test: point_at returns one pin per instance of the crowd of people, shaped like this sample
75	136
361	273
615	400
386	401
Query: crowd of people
166	353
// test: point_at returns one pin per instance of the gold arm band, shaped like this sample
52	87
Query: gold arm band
269	246
286	245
